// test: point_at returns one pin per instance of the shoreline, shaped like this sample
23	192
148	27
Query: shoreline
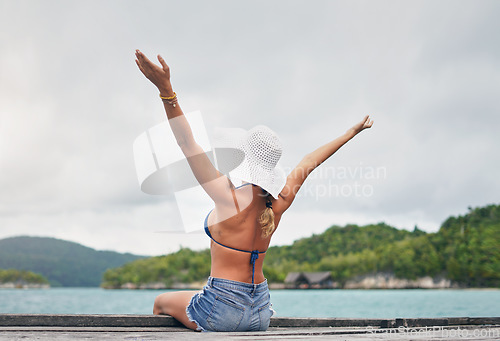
280	287
379	281
13	285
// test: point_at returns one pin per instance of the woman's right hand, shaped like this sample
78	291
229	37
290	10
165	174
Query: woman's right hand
159	76
364	124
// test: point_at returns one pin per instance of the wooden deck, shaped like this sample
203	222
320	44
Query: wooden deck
149	327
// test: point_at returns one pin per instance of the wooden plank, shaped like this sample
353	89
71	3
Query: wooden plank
346	334
73	320
108	320
324	322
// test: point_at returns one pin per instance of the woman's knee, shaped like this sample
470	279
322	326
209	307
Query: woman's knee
160	304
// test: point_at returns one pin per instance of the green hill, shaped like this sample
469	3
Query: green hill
466	250
63	263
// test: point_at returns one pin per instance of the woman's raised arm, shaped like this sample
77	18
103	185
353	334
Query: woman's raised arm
312	160
213	182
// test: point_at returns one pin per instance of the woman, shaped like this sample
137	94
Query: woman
236	297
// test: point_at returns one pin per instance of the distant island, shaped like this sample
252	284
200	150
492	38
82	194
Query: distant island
464	253
61	262
12	278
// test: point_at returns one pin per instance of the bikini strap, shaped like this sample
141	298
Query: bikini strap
253	258
243	185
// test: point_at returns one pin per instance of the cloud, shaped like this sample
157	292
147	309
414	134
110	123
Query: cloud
72	103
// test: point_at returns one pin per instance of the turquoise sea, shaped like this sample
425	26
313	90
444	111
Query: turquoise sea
287	303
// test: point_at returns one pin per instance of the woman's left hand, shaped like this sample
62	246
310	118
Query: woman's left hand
365	123
159	76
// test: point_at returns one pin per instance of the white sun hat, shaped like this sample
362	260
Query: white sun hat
251	156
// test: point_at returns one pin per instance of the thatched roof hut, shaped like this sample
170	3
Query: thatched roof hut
307	280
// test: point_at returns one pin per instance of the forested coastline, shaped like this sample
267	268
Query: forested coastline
12	278
464	251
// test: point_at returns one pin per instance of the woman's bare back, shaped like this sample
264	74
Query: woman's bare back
237	226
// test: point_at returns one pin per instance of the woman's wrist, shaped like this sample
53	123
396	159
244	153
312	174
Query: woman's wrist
166	91
351	133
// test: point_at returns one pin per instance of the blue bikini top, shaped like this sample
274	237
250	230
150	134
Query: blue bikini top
254	255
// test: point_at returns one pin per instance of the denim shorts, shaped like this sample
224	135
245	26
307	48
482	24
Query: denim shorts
227	306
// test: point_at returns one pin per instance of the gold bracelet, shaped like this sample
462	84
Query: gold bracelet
172	100
169	98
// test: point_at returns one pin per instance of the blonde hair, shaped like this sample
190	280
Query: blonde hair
266	219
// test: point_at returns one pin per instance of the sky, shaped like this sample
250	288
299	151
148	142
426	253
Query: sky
72	102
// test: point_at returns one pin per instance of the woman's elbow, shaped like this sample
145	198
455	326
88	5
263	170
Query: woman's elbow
309	162
182	143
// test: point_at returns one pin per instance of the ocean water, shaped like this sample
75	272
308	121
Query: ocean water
286	303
